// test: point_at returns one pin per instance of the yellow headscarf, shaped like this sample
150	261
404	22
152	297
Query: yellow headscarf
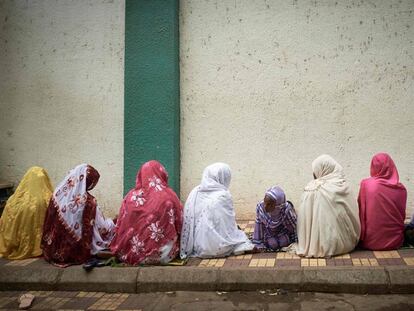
21	224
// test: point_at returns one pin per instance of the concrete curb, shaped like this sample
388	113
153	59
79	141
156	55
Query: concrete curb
152	279
401	279
360	280
16	278
346	280
104	279
249	279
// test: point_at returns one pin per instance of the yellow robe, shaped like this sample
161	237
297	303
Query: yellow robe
21	225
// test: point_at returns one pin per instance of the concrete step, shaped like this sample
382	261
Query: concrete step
39	275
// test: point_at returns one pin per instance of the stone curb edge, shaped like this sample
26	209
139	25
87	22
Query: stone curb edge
358	280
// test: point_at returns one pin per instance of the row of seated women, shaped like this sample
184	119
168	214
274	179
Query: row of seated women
67	226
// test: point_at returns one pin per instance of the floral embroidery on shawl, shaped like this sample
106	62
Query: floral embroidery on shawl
143	234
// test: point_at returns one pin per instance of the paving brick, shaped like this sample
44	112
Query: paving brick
135	302
64	294
49	303
342	262
108	302
362	254
283	255
288	263
220	262
204	263
233	262
212	262
79	303
270	262
338	262
407	252
261	262
41	293
229	263
386	254
391	261
193	261
9	303
254	263
21	263
264	255
409	261
304	262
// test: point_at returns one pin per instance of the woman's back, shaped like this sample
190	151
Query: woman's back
382	202
210	228
150	219
328	222
21	225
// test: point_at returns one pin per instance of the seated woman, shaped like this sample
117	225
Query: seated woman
275	221
150	220
75	228
382	201
328	221
21	224
210	228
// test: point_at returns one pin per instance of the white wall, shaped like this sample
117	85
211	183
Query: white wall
61	90
267	86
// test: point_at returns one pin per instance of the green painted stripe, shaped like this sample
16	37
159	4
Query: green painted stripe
152	90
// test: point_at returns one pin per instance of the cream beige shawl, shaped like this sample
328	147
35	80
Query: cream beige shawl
328	218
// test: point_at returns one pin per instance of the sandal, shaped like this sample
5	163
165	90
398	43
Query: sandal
90	264
26	301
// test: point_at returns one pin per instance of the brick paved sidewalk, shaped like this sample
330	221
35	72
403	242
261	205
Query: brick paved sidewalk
357	258
203	301
48	300
358	272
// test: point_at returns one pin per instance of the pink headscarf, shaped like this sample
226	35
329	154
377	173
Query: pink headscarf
382	201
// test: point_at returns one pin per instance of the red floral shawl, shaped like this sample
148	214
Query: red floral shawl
150	220
382	202
60	244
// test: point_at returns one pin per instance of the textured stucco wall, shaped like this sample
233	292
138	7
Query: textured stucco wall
61	90
267	86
